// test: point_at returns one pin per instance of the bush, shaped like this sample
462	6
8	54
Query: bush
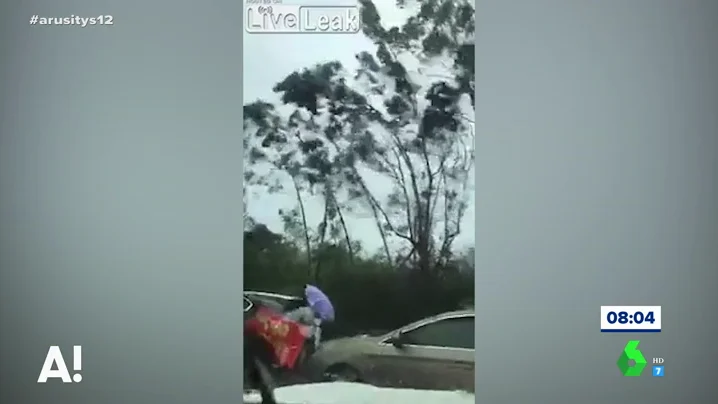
368	294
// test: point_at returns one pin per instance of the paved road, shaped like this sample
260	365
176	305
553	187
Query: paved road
356	393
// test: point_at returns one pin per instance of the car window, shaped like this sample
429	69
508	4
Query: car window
457	332
270	303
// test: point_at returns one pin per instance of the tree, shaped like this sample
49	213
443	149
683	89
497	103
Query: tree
404	115
260	122
274	141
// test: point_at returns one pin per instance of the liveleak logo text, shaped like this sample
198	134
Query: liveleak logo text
56	368
289	18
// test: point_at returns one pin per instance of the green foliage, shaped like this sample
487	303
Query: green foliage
369	294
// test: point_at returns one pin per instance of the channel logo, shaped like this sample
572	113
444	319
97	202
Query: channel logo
55	359
632	362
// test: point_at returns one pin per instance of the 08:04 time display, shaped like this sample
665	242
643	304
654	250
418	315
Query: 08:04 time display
623	317
631	319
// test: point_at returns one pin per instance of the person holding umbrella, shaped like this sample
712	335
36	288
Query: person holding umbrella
318	309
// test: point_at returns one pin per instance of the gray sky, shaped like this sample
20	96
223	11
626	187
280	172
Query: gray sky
268	58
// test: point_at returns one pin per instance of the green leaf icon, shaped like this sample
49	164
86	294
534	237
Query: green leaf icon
631	352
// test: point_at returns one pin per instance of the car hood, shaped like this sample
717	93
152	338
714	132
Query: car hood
348	345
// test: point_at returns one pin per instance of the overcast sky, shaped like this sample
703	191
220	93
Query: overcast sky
268	58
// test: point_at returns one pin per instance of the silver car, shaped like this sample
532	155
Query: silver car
435	353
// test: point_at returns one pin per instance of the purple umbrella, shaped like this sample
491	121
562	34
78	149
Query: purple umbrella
319	302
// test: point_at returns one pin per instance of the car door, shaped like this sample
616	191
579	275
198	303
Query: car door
438	354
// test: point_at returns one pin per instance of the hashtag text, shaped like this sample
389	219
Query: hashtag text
73	20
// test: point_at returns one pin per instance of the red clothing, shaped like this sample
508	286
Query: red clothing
284	335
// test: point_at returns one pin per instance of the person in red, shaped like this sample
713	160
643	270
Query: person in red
257	358
281	336
277	340
272	342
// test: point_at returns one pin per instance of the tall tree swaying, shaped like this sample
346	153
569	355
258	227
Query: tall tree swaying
403	114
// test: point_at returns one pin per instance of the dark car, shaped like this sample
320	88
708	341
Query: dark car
278	302
435	353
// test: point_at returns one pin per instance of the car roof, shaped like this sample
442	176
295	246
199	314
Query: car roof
431	319
275	301
441	316
271	295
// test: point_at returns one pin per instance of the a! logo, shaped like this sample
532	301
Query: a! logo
54	358
631	353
